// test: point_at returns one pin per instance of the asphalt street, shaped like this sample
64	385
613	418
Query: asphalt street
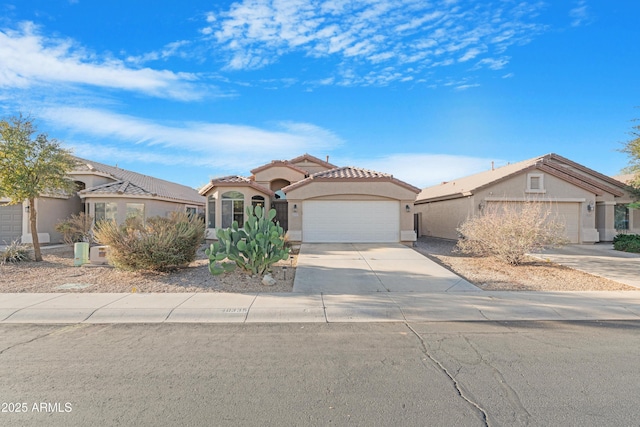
373	374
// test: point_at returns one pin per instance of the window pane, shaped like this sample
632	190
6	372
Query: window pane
257	201
238	212
135	210
100	212
211	222
535	183
621	217
111	212
227	213
233	195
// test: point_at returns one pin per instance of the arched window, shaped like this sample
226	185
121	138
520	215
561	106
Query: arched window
232	208
257	201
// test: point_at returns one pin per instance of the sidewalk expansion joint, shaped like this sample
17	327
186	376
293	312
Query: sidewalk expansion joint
100	308
246	316
172	310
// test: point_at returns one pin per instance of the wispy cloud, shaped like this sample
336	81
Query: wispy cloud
580	14
220	145
397	38
410	167
28	59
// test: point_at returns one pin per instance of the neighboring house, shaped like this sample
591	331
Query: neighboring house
317	201
592	206
105	192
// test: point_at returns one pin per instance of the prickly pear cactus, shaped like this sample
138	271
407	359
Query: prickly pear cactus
254	248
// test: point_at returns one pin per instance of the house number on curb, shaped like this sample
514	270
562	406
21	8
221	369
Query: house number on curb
235	310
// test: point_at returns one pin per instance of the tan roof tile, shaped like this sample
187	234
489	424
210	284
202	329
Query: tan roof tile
350	173
138	184
234	180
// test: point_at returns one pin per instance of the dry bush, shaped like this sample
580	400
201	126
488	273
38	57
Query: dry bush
76	228
510	230
160	244
14	252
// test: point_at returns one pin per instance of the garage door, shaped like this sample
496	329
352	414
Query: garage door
567	214
351	221
10	223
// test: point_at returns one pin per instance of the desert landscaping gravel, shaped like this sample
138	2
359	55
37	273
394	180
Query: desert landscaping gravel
490	274
57	274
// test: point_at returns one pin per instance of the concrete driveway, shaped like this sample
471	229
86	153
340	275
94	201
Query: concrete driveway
357	268
599	259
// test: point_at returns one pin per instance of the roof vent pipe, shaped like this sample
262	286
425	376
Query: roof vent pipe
327	158
492	168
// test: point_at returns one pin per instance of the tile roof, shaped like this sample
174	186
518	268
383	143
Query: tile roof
234	180
551	163
136	184
312	159
281	163
351	173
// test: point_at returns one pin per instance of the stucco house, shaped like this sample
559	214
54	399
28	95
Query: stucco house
317	201
593	206
105	192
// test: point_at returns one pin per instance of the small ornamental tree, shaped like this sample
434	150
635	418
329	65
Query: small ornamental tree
510	230
31	165
632	149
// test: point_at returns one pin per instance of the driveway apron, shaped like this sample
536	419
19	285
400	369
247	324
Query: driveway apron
359	268
599	259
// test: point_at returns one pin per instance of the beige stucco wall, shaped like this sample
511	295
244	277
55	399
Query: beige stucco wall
442	219
90	180
345	190
50	211
310	166
277	172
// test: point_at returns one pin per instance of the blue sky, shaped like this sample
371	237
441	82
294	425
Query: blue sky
426	90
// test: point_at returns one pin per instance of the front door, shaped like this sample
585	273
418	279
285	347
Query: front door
282	212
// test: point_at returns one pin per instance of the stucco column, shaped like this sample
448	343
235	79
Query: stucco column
605	220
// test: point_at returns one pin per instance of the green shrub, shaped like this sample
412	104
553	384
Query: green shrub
160	244
14	252
508	231
627	243
254	248
76	228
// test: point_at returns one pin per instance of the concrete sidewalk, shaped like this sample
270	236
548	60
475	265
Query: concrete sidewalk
320	308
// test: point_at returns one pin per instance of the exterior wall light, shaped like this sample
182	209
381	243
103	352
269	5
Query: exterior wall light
26	209
590	207
295	207
407	208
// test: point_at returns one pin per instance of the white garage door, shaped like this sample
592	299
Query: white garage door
350	221
10	223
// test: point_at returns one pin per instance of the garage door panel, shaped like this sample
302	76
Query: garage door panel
568	214
351	221
10	223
